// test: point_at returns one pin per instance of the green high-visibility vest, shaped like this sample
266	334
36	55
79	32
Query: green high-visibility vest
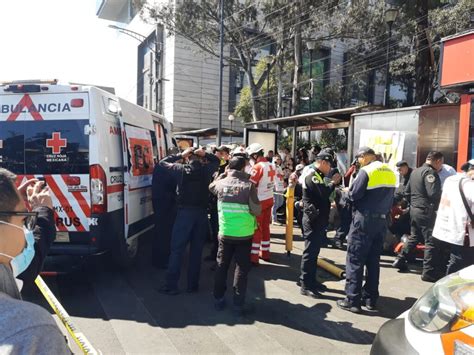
380	175
235	220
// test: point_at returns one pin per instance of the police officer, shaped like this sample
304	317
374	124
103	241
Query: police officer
316	207
193	178
371	195
424	191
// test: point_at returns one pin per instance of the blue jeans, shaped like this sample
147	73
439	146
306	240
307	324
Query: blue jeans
191	226
364	246
278	201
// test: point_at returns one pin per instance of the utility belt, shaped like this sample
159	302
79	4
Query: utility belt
311	211
372	215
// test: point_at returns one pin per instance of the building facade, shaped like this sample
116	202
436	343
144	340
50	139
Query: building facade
170	75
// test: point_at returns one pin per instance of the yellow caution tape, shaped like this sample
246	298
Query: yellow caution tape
76	334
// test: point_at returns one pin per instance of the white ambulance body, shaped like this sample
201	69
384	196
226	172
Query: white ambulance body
96	153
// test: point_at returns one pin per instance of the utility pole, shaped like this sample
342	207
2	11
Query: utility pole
221	73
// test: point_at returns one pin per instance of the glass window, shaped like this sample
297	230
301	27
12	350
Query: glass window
56	147
11	146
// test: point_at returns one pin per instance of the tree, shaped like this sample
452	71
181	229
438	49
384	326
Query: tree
418	32
245	26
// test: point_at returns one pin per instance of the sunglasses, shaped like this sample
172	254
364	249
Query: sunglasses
30	217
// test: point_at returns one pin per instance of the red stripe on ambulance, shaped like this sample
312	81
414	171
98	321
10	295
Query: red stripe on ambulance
63	201
79	198
27	103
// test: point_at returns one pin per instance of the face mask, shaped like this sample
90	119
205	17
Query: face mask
21	262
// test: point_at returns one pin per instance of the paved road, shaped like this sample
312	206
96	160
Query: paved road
121	312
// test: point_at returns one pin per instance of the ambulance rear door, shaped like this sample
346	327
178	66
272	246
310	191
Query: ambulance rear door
42	135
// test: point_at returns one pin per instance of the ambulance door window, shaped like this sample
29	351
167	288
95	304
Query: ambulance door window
156	159
12	146
161	140
56	147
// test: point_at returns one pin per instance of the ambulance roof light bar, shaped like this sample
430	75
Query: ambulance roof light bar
30	81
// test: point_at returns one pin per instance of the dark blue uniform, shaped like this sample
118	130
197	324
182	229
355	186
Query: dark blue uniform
424	192
191	224
371	204
316	207
164	207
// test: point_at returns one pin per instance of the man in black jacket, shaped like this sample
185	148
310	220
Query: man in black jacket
424	191
191	226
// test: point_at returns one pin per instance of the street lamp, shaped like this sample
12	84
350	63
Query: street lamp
231	119
269	61
157	56
390	17
310	44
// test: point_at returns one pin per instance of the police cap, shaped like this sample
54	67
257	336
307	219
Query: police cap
364	151
401	163
325	156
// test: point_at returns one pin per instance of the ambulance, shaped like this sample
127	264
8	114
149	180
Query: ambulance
96	153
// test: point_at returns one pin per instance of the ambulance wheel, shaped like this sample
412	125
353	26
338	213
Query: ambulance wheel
126	252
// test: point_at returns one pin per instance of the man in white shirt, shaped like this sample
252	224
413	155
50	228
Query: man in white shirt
453	223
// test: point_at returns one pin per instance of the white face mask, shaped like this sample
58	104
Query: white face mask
21	262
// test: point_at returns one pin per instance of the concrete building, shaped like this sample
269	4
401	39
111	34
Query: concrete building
187	93
188	81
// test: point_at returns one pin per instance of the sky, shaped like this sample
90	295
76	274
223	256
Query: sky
62	39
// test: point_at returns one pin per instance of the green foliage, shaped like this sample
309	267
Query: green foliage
243	110
332	138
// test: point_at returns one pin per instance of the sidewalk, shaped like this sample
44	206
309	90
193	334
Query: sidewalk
122	312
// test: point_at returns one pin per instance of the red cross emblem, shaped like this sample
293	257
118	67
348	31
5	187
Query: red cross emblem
271	173
56	143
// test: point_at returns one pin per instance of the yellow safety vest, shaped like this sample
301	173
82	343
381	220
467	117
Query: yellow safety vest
380	175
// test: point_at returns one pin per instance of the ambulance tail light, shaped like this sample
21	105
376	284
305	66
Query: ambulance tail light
77	102
98	189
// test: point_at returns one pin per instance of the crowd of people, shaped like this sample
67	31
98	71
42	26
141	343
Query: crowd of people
234	194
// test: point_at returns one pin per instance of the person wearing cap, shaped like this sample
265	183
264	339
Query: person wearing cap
238	205
263	176
191	225
371	194
454	226
316	206
424	193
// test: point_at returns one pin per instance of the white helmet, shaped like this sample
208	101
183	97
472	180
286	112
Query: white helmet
254	148
240	152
